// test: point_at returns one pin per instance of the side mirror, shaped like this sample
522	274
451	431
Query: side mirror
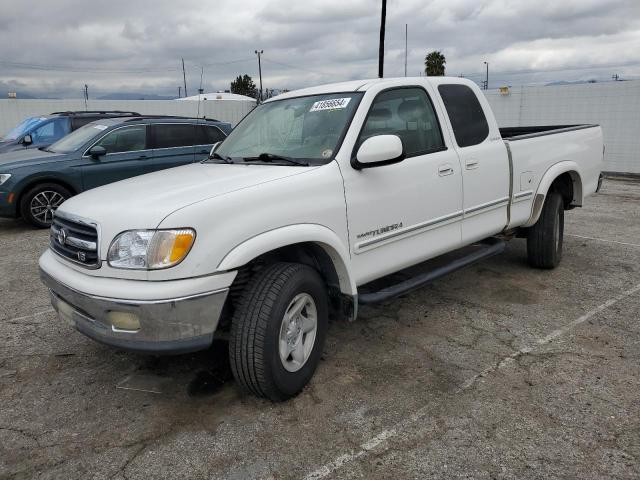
379	150
213	149
27	140
97	151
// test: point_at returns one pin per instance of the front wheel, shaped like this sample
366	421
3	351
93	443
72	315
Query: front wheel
544	238
278	331
40	202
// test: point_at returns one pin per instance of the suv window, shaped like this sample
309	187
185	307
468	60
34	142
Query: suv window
407	113
469	123
78	122
174	135
208	134
127	139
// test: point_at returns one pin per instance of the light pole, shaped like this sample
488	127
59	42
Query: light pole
260	71
383	20
486	82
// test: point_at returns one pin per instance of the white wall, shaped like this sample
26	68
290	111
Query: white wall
13	111
613	105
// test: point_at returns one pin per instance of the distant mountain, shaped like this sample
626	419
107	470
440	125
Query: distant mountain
576	82
134	96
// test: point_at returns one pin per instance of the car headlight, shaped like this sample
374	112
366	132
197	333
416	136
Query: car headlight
150	249
4	177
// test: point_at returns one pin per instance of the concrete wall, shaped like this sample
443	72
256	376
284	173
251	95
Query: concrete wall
613	105
13	111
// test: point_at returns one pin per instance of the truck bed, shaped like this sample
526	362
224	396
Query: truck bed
520	133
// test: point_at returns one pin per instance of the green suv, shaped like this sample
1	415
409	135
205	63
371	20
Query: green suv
34	182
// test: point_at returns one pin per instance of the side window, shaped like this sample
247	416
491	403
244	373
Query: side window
175	135
407	113
51	131
127	139
208	134
465	113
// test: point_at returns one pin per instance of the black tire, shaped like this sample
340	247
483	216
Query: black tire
255	329
544	239
53	191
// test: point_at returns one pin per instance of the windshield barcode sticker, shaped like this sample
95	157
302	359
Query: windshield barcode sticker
332	104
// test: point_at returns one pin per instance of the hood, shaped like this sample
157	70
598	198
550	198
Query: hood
26	157
144	201
9	145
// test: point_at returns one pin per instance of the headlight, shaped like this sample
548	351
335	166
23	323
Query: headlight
4	177
150	249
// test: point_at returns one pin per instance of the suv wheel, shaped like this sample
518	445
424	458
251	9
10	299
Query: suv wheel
278	331
39	203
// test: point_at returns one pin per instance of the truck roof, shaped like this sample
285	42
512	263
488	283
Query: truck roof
364	85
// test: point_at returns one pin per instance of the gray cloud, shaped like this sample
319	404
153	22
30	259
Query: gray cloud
136	46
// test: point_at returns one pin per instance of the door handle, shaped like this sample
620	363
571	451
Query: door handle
142	157
205	151
444	170
471	163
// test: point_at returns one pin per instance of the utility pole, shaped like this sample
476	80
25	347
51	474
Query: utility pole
260	71
179	91
184	77
616	77
486	82
406	43
383	20
86	96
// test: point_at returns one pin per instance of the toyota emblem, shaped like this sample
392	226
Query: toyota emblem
62	236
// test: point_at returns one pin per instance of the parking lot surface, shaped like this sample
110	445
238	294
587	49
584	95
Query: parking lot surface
496	371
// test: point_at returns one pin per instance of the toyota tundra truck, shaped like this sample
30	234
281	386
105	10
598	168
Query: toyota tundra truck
302	212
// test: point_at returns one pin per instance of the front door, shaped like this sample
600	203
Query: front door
127	156
403	213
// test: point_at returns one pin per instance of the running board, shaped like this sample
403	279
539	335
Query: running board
487	248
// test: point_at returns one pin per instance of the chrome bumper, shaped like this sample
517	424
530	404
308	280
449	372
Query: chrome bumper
167	326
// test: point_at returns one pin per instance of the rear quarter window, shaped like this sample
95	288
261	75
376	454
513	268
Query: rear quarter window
467	118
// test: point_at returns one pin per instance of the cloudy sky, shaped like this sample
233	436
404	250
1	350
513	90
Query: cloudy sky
54	47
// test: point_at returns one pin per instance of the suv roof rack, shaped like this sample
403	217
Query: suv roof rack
176	117
101	112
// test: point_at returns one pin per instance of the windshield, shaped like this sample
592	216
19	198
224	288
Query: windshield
308	128
77	139
23	128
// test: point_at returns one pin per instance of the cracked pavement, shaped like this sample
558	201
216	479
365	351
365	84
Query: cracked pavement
449	381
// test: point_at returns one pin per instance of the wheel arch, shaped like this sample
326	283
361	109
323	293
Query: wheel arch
304	243
34	181
564	178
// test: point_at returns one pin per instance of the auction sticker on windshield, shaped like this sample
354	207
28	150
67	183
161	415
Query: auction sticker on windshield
331	104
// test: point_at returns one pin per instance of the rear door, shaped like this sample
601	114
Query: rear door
208	135
128	155
484	161
173	144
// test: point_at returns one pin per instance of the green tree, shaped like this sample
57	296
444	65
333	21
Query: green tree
243	85
434	64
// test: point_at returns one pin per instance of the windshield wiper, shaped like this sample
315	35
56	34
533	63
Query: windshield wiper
271	157
217	156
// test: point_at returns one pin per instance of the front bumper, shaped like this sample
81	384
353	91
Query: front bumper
168	326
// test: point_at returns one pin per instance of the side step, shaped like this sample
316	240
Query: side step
485	249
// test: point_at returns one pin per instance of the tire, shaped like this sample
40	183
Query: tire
545	237
258	326
39	203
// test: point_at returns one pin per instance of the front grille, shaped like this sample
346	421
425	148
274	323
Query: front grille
75	241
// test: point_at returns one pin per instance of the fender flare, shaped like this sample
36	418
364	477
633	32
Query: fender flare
548	178
289	235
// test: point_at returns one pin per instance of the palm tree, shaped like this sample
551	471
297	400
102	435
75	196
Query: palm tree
434	64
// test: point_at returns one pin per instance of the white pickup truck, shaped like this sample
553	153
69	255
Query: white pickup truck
314	195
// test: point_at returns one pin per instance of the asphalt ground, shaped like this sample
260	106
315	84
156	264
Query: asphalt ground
496	371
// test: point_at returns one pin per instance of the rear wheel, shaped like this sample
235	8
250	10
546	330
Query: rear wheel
40	202
544	239
278	331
